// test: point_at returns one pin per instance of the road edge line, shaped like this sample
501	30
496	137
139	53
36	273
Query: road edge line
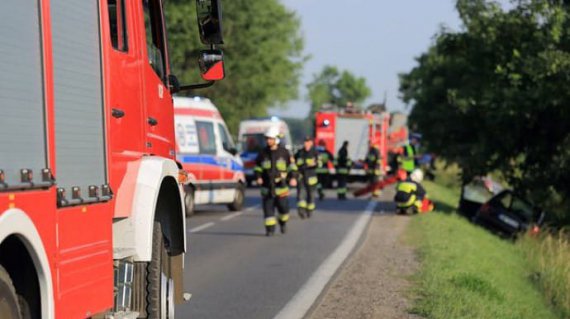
304	299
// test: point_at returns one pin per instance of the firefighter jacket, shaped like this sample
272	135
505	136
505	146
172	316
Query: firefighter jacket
324	158
373	161
307	163
408	193
342	162
275	168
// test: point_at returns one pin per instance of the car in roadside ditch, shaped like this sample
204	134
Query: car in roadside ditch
508	215
476	193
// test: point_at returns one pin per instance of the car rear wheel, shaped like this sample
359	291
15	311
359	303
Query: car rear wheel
9	305
239	197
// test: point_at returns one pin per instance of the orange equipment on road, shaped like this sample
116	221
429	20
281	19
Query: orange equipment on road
386	181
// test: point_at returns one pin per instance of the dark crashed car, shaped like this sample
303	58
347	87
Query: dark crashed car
508	215
476	193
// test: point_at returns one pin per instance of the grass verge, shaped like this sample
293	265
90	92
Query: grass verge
549	259
467	272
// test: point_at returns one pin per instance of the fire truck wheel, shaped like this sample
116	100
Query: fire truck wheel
9	306
189	201
237	204
160	285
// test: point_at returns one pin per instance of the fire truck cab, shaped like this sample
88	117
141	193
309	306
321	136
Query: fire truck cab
91	208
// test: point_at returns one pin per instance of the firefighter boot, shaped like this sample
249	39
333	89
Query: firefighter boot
310	209
283	227
269	231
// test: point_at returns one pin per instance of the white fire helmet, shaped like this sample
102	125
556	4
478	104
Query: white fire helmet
417	175
272	132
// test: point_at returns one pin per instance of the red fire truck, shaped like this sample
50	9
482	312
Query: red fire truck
359	129
91	212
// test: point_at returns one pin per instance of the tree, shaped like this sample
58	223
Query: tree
337	88
263	59
495	96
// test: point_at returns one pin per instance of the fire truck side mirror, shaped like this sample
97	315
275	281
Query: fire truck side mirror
212	65
209	13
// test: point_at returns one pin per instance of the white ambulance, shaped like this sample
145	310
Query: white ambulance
207	152
251	140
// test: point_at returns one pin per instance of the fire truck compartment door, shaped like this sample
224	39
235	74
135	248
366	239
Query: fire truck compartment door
356	132
78	96
22	117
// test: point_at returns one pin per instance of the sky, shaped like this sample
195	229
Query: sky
374	39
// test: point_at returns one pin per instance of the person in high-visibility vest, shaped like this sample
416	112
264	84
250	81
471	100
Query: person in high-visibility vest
323	170
374	168
275	172
342	164
411	196
307	161
407	158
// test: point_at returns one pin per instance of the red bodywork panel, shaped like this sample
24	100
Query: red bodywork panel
78	240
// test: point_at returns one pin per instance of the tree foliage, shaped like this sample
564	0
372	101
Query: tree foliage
336	88
263	52
495	95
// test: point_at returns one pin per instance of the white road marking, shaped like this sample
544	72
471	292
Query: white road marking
236	214
201	227
226	218
300	304
252	208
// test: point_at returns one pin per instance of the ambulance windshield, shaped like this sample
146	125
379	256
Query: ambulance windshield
252	142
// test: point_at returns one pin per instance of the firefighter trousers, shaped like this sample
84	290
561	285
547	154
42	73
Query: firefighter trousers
306	197
373	179
324	182
270	203
341	189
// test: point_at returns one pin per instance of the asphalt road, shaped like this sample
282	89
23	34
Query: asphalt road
234	271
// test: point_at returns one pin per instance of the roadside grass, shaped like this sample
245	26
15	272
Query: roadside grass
467	272
549	259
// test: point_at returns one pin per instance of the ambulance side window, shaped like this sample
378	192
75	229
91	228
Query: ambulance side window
227	142
206	137
118	25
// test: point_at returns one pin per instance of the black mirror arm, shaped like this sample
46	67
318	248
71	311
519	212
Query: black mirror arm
197	86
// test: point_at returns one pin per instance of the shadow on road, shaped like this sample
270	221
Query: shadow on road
213	233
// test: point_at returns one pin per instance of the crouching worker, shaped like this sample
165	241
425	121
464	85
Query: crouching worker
411	197
273	171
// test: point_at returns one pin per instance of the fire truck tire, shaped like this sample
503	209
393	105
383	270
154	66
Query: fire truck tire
9	305
160	284
189	201
237	204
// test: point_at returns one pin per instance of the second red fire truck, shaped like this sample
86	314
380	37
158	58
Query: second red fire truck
358	128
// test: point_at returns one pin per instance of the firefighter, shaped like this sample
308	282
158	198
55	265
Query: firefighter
274	171
342	165
306	160
408	156
373	163
323	170
410	194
